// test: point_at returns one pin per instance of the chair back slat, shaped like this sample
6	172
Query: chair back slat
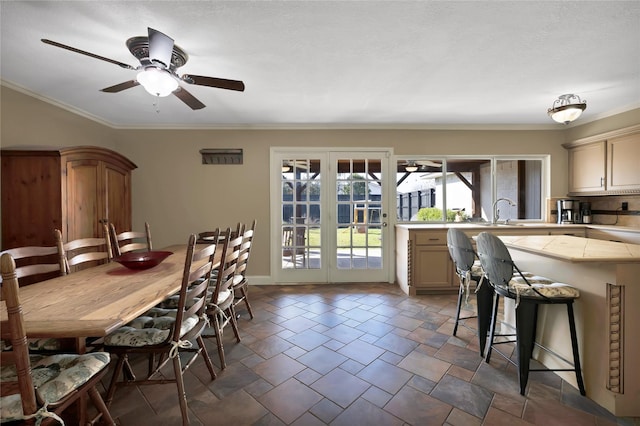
128	241
84	252
36	263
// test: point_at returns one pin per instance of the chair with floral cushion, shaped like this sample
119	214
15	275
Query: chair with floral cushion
84	253
128	241
469	270
38	387
240	283
220	304
529	291
169	332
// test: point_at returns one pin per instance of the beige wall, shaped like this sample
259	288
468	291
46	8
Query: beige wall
179	195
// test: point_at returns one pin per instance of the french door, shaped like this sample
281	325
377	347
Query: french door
329	216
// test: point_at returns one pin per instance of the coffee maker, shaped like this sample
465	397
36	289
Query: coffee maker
565	211
585	212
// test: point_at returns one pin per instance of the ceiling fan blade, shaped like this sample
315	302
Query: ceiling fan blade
160	47
120	87
92	55
188	98
220	83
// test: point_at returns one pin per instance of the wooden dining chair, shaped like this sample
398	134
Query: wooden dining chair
38	387
240	283
207	236
169	332
84	252
35	264
220	307
127	241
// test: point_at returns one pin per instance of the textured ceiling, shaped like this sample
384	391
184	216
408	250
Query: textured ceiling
359	64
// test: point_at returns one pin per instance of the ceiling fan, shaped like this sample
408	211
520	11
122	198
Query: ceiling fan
159	60
415	165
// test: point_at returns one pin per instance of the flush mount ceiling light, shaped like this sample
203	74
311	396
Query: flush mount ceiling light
157	82
567	108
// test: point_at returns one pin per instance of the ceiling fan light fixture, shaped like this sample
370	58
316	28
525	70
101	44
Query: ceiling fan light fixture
157	82
411	168
567	108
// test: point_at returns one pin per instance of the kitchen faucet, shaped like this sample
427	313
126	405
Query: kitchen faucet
496	211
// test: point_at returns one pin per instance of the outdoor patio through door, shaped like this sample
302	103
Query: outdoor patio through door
331	217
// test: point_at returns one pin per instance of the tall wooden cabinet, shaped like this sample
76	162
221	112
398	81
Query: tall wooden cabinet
73	189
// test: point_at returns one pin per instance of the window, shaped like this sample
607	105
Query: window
464	189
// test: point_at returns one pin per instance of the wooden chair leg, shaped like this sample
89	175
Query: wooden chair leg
234	322
207	358
218	330
182	396
245	296
98	402
114	378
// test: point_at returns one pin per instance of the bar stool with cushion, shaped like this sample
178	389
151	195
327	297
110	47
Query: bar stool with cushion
528	292
470	271
38	387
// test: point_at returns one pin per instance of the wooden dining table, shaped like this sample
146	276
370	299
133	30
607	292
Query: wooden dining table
96	301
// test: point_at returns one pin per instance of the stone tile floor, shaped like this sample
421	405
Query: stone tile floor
356	354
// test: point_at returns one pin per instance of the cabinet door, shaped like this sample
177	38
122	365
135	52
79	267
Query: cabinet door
117	197
84	202
587	167
432	267
623	153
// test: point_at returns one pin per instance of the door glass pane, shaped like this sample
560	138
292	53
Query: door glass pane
301	182
358	209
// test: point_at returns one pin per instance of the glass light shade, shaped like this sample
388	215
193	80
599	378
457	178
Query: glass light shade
157	82
567	108
411	169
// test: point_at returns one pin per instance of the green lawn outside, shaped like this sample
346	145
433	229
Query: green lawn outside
343	237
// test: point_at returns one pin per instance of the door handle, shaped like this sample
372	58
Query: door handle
384	224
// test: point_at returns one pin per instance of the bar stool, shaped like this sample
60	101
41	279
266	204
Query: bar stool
469	269
529	292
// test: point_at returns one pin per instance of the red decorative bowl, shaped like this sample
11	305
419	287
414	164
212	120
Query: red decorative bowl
142	259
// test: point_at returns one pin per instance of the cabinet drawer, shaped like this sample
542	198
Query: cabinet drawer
438	238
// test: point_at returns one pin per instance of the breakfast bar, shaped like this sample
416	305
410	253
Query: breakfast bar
607	313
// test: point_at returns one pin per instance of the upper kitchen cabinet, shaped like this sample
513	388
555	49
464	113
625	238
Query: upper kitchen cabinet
605	164
74	189
623	173
587	167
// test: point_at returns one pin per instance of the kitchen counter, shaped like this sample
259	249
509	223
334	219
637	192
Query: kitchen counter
575	249
608	277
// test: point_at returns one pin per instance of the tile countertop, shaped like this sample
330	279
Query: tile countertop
517	225
575	249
